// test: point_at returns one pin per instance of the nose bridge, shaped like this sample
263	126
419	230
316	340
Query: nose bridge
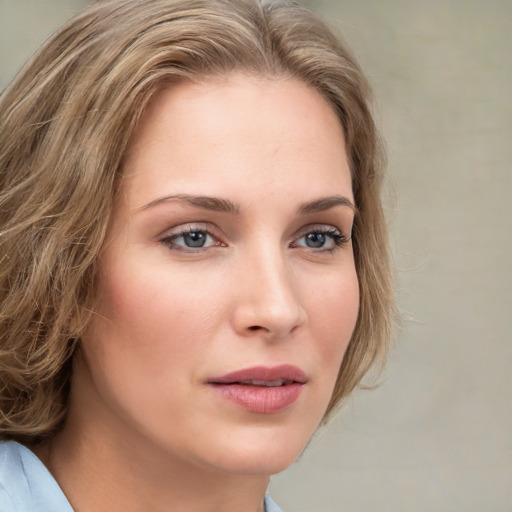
269	299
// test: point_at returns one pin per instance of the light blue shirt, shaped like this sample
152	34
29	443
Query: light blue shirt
27	486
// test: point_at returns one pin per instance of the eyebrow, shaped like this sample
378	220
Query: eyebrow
326	203
217	204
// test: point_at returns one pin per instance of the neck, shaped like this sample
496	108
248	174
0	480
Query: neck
101	464
104	462
113	476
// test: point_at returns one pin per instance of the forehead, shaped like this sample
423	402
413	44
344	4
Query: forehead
236	130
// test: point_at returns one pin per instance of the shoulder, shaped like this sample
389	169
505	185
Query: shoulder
271	505
25	483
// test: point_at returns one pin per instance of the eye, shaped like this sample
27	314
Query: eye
191	239
321	239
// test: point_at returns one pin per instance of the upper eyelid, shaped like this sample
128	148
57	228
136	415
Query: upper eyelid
190	227
217	233
211	228
324	228
331	232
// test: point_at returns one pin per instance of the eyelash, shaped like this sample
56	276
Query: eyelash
335	235
169	240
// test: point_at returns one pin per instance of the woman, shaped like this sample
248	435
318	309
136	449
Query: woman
194	258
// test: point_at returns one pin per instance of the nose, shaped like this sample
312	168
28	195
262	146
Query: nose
268	300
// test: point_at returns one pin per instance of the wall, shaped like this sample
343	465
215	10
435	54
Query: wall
437	434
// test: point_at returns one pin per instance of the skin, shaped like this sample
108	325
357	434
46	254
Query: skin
145	429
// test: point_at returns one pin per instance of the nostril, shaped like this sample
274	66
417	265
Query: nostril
257	328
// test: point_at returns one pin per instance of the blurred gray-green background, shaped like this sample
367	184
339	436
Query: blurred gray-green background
437	434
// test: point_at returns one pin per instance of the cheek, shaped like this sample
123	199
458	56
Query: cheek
153	318
336	305
335	315
148	331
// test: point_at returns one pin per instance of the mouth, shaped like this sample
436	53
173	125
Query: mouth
261	389
263	376
270	384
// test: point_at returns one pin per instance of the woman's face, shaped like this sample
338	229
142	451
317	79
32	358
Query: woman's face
227	288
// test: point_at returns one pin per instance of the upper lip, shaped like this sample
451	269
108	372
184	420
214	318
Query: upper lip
285	372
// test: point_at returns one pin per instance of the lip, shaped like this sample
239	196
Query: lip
260	398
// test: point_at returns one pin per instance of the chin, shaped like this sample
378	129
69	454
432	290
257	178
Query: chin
267	463
264	454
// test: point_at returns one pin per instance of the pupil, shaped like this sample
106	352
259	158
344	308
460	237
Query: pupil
194	239
315	240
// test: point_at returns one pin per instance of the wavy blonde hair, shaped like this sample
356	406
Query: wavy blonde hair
65	124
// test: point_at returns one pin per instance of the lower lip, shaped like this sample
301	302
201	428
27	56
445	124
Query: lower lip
260	399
